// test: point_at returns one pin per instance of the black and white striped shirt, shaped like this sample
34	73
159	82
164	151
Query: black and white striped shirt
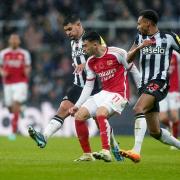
154	60
79	57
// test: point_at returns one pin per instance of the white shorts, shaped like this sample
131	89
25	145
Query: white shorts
114	102
170	102
15	92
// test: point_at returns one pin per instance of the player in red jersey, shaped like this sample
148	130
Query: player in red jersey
74	30
169	106
109	63
15	69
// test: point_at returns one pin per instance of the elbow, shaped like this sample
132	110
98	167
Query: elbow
129	58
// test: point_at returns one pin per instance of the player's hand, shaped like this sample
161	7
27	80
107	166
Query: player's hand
73	110
4	73
147	43
79	69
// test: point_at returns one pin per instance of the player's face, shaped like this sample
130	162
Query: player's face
88	47
14	41
143	25
72	30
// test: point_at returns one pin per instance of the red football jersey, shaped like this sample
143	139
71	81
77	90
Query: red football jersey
174	73
111	69
14	63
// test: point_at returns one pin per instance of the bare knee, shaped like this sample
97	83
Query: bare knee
155	133
63	110
138	109
82	114
102	111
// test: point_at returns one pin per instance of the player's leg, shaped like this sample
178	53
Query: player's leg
15	109
115	147
8	100
82	131
57	121
63	111
53	126
107	107
163	115
140	127
151	94
139	133
105	130
102	114
19	94
174	113
158	133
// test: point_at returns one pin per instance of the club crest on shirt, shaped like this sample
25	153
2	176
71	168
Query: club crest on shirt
110	62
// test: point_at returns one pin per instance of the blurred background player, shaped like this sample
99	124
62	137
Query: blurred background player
169	107
155	48
75	31
15	70
110	65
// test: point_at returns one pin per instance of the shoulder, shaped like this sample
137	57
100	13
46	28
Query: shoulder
25	52
168	34
4	51
118	50
137	38
89	63
90	59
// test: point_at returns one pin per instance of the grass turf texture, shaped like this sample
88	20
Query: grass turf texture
23	160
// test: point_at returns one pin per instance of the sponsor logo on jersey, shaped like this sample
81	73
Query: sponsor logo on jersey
13	63
153	50
105	75
77	53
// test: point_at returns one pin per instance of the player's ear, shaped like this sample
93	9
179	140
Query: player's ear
78	23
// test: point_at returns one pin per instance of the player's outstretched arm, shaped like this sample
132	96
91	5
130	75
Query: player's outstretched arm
135	49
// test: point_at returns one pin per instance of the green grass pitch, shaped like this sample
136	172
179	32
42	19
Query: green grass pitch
23	160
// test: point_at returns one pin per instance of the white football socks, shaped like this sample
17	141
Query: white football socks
53	126
169	139
139	132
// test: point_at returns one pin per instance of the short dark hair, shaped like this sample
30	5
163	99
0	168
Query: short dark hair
70	18
92	36
150	14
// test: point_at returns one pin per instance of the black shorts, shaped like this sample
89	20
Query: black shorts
74	93
156	88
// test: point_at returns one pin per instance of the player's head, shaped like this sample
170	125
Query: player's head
72	26
14	41
147	19
91	42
